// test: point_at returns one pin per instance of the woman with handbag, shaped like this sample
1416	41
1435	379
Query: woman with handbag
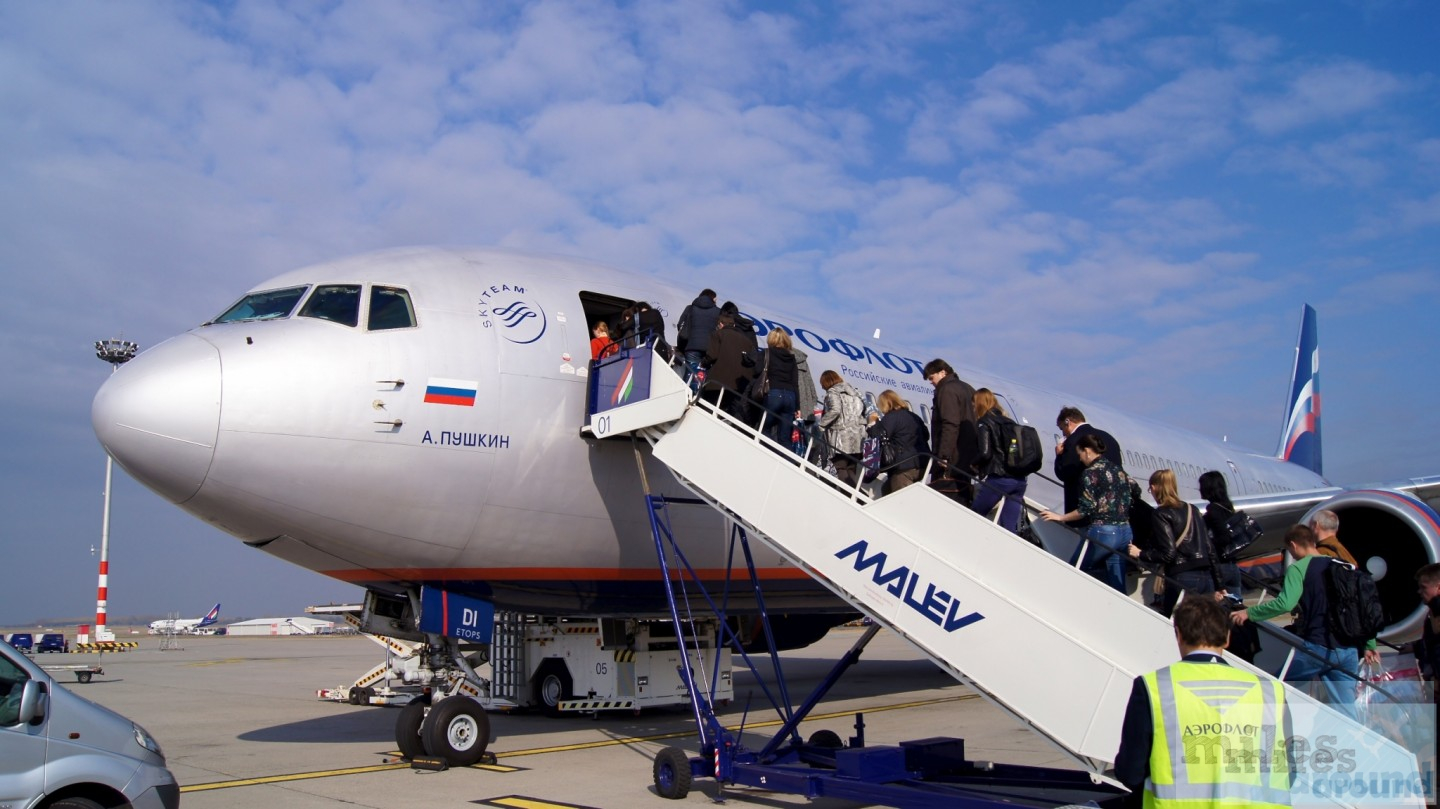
1181	546
907	436
1218	511
778	388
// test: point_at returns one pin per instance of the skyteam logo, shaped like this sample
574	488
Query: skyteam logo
521	320
941	608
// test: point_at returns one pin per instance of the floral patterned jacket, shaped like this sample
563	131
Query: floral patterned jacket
1105	499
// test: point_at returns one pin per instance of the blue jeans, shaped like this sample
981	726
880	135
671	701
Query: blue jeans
1193	582
1339	689
989	492
1110	569
780	408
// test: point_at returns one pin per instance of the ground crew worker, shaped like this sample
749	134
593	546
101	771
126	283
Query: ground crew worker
1200	732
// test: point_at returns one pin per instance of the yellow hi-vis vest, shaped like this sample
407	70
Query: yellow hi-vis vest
1219	738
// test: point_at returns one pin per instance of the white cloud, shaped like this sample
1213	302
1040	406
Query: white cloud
1322	94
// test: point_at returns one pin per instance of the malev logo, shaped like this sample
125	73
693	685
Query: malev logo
941	608
521	320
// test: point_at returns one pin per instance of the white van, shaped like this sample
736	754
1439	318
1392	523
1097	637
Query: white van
61	751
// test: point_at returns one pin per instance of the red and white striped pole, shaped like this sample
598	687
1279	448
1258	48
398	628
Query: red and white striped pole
102	591
117	353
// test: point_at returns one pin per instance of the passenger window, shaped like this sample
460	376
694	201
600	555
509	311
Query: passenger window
337	303
390	309
12	685
269	305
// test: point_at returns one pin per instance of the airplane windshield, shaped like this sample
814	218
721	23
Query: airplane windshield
268	305
390	309
338	303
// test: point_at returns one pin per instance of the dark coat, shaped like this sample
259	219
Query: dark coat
725	362
701	316
1174	548
990	453
1069	469
952	424
907	434
652	324
781	369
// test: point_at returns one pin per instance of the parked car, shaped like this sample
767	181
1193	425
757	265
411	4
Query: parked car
56	744
24	641
52	642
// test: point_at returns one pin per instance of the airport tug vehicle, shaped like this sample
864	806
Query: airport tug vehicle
449	658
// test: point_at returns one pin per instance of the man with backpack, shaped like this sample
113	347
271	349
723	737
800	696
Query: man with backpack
1326	622
1326	525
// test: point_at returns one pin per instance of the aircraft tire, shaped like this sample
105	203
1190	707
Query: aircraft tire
353	697
553	686
457	730
407	729
672	773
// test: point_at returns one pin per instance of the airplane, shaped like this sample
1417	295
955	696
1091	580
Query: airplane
186	626
414	418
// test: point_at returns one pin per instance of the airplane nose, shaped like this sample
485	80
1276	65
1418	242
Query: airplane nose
159	414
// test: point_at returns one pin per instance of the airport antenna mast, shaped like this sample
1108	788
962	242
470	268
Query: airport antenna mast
117	353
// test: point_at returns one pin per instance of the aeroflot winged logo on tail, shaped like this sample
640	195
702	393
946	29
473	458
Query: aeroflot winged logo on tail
941	608
1300	441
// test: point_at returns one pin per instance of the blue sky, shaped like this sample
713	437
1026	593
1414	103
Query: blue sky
1128	201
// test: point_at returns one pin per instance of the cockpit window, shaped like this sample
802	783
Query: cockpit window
268	305
337	303
390	308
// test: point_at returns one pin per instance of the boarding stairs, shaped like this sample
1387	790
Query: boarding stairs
1052	646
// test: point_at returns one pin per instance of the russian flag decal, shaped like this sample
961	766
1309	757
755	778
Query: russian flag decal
451	391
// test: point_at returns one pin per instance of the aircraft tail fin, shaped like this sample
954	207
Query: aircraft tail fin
211	617
1300	439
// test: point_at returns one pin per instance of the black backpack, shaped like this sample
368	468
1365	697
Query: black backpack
1353	613
1020	450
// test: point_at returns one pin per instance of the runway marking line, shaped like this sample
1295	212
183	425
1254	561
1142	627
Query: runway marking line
522	802
299	776
559	748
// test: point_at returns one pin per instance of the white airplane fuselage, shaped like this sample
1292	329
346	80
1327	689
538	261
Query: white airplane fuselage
314	440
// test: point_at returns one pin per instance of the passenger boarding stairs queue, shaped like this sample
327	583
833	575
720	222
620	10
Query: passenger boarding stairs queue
1052	646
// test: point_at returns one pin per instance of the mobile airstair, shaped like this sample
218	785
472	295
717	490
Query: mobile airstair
1055	648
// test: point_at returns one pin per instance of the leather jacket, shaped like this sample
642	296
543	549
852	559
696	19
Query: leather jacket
1175	547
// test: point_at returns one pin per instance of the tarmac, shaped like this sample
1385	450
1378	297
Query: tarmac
241	726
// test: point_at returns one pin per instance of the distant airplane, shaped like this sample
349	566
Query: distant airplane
413	418
186	626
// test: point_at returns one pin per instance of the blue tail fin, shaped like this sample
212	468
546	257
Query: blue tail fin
1300	440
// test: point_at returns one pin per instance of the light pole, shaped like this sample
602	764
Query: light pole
117	353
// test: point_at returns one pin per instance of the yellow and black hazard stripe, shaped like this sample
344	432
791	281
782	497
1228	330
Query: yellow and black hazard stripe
624	656
580	630
597	705
107	646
